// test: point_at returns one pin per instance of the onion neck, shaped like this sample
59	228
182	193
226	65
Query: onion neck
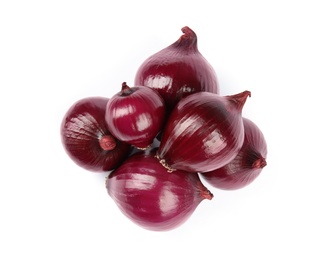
238	100
188	41
107	142
126	90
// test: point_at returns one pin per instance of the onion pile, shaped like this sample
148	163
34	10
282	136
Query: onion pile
158	139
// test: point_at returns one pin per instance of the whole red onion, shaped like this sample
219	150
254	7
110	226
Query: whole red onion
150	196
178	70
135	115
246	166
86	138
204	132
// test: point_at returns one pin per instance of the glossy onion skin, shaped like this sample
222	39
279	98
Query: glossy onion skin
153	198
178	70
204	132
246	166
136	117
81	130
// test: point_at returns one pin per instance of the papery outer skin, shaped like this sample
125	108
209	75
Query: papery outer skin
150	196
81	129
203	133
136	118
241	172
177	71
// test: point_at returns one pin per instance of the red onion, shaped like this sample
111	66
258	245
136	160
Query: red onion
153	198
246	166
135	115
86	138
204	132
178	70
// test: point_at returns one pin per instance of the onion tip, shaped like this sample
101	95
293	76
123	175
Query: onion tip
107	142
259	163
188	40
206	194
239	99
188	33
125	89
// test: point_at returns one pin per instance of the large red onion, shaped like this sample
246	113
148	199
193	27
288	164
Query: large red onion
135	115
246	166
152	197
178	70
204	132
86	138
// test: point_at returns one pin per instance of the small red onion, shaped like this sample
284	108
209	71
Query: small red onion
246	166
153	198
204	132
86	138
135	115
178	70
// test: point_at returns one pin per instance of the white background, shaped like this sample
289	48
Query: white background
53	53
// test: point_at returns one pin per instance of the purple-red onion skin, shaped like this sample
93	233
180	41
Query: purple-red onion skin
178	70
136	117
204	132
82	128
153	198
246	166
